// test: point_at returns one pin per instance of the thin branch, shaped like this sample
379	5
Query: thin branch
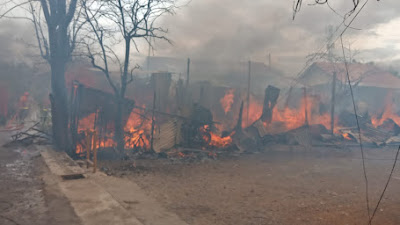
43	53
13	8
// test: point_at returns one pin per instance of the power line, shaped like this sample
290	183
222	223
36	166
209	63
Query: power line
370	218
358	128
387	184
326	45
354	106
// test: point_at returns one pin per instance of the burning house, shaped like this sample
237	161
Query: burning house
165	114
376	91
371	84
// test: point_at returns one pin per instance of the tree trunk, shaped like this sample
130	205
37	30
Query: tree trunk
120	97
58	38
59	106
119	126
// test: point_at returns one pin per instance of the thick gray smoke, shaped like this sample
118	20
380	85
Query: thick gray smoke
243	30
16	42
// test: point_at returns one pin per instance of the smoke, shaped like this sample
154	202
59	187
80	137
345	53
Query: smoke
16	42
242	30
236	30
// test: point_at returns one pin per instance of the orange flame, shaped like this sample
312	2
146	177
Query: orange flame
347	136
289	117
220	142
216	140
388	113
254	112
137	129
227	100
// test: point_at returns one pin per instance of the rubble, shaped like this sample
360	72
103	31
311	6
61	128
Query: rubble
31	135
206	121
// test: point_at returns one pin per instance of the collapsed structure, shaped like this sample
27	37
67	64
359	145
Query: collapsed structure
165	114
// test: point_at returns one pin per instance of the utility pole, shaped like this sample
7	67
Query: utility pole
152	122
333	103
248	92
187	73
148	58
269	60
305	106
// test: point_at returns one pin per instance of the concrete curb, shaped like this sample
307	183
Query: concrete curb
98	199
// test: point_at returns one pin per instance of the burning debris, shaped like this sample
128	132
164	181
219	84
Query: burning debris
169	118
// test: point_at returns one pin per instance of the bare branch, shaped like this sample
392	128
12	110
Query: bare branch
16	6
132	20
99	34
43	53
71	12
298	3
46	12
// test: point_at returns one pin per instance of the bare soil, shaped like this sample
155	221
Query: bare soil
322	186
24	197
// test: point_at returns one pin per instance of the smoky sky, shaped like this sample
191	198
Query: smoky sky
238	30
243	30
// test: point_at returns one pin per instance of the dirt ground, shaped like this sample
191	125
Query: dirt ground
24	197
324	186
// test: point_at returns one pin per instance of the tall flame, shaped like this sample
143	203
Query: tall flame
227	100
137	131
388	113
138	127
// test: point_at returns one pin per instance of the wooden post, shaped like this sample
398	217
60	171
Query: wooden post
288	97
94	152
152	122
305	106
248	92
270	99
238	127
88	147
269	60
187	73
333	103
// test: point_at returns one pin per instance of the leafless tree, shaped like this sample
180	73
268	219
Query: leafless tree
329	53
56	24
123	23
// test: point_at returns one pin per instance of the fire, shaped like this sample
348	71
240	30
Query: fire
291	118
138	127
87	122
254	112
388	113
137	130
227	100
346	136
294	118
220	142
215	140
